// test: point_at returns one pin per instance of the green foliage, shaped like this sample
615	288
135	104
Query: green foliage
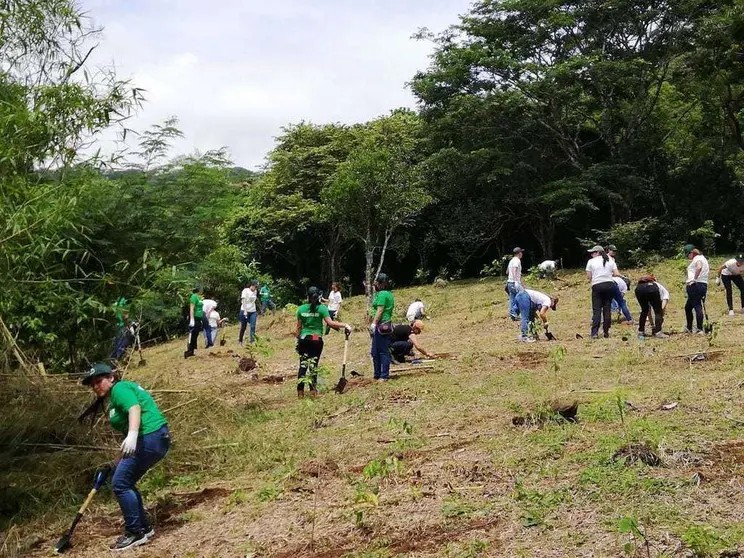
702	540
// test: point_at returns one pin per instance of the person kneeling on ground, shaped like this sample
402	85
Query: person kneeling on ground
619	303
547	269
651	295
404	340
730	272
310	319
416	311
134	413
532	303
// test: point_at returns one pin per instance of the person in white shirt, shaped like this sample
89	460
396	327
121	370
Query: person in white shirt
215	323
730	272
416	311
697	287
208	305
547	269
532	303
651	294
601	271
334	302
619	304
514	281
248	312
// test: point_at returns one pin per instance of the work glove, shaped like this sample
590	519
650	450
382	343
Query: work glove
372	329
718	280
347	329
545	325
191	322
129	445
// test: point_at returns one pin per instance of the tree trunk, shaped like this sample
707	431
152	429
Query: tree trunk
369	252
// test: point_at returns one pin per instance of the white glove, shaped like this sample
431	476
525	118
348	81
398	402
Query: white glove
191	322
347	329
372	329
129	445
718	280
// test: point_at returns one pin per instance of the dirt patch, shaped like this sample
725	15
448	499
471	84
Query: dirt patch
423	539
632	453
556	411
524	359
402	396
167	512
729	453
246	364
317	468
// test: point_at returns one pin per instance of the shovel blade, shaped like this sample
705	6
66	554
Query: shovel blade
142	363
341	385
63	543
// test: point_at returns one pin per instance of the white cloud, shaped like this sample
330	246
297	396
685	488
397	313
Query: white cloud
236	71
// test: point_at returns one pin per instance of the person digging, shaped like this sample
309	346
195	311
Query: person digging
531	304
133	413
404	340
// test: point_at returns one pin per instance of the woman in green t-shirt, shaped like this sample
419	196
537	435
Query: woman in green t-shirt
134	413
310	319
381	328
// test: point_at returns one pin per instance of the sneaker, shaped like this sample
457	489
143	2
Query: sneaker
149	532
686	330
188	354
128	540
699	332
606	335
731	312
641	337
660	335
526	339
514	317
595	336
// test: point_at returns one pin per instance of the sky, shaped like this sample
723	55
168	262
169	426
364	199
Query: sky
236	71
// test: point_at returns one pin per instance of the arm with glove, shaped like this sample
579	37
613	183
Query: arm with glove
129	445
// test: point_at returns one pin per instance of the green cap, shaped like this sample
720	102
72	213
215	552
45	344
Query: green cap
688	248
99	369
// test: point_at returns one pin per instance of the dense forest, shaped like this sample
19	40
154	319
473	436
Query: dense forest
547	124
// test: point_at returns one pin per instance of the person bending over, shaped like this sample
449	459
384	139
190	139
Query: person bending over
651	295
534	303
730	272
404	340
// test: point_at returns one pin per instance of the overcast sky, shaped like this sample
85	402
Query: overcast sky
235	71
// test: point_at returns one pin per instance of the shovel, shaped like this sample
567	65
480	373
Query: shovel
99	481
142	361
341	385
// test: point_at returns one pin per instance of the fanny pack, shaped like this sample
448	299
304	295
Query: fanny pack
385	328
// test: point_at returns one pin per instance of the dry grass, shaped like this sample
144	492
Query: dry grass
430	464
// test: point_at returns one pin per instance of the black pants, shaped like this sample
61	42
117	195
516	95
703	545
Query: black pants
332	315
310	350
400	350
602	294
739	282
194	334
695	298
648	296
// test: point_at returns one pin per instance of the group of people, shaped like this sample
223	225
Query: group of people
609	287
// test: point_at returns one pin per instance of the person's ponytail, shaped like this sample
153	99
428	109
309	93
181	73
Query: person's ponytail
313	298
605	259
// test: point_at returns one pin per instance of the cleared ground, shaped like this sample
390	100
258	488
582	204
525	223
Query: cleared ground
431	463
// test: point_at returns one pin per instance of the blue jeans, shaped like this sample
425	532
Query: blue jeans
526	310
381	355
618	301
209	341
514	289
268	304
151	448
246	319
695	297
123	339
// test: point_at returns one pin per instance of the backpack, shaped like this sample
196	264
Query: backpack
647	279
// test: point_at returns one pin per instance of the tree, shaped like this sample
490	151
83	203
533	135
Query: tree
377	190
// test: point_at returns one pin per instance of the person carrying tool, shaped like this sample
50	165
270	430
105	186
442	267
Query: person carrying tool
334	302
514	281
133	413
404	340
208	305
651	294
124	335
266	302
248	312
196	321
601	271
416	311
381	327
531	304
697	288
730	272
309	333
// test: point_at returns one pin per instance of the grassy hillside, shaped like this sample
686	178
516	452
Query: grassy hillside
429	464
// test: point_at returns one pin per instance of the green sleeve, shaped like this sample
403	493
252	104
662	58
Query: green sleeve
194	299
124	397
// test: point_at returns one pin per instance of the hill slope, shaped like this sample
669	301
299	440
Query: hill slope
431	463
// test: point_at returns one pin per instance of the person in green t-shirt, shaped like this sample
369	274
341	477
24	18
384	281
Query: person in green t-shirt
266	302
310	319
133	413
196	320
381	327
